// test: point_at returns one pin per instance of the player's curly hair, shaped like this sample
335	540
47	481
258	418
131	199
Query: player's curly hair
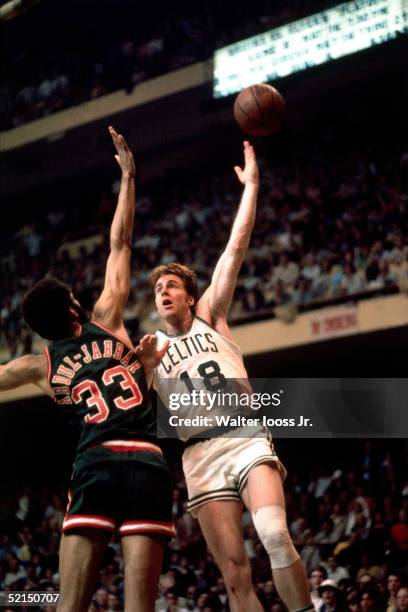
46	309
189	278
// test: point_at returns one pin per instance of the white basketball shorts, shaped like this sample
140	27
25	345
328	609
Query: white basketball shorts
218	468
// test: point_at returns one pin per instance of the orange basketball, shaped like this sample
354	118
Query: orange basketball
259	109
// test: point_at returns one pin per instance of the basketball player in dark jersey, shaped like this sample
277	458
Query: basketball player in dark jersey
120	480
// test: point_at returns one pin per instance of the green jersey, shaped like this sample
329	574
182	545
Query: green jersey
100	383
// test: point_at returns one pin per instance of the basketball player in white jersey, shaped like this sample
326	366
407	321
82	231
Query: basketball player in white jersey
224	472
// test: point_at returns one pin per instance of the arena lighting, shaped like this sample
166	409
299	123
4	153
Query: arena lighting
12	9
298	45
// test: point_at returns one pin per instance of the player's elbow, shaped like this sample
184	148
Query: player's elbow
120	289
236	251
238	245
5	381
120	242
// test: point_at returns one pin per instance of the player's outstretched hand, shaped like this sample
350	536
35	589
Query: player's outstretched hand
250	173
124	155
148	353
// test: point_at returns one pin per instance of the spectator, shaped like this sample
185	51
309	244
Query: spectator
14	572
393	586
367	568
101	599
316	578
326	536
310	269
113	602
402	600
367	601
286	271
336	572
311	553
399	533
190	581
332	272
330	595
339	519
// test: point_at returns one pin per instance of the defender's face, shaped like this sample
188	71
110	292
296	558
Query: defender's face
171	297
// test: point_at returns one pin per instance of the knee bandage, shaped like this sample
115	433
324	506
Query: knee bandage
270	524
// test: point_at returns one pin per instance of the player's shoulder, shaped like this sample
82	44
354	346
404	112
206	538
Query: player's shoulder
206	316
118	332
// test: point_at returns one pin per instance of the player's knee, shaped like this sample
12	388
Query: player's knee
236	573
270	524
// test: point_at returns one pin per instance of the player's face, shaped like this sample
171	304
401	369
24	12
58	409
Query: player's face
171	297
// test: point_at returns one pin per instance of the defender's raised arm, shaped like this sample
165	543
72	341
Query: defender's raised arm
110	305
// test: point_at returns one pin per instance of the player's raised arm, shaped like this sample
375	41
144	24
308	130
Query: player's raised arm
24	370
112	301
215	302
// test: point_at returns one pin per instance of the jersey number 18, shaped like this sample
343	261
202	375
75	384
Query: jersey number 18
213	379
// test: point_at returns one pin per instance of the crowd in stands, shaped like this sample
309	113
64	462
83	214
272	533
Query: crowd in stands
350	526
40	80
326	230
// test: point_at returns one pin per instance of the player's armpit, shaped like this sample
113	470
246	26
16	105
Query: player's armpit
216	319
203	308
108	310
23	371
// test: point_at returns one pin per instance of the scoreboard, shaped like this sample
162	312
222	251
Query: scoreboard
347	28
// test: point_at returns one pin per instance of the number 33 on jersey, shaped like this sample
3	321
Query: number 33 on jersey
100	382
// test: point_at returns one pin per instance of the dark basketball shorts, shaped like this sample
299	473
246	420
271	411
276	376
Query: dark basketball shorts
121	486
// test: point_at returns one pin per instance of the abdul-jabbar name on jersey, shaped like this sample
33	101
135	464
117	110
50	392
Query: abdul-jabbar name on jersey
199	359
101	384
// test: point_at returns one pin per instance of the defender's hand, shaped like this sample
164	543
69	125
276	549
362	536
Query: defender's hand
124	156
250	173
148	353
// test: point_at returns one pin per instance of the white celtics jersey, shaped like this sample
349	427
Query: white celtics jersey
203	361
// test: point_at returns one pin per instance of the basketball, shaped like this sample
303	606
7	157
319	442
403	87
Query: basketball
259	109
